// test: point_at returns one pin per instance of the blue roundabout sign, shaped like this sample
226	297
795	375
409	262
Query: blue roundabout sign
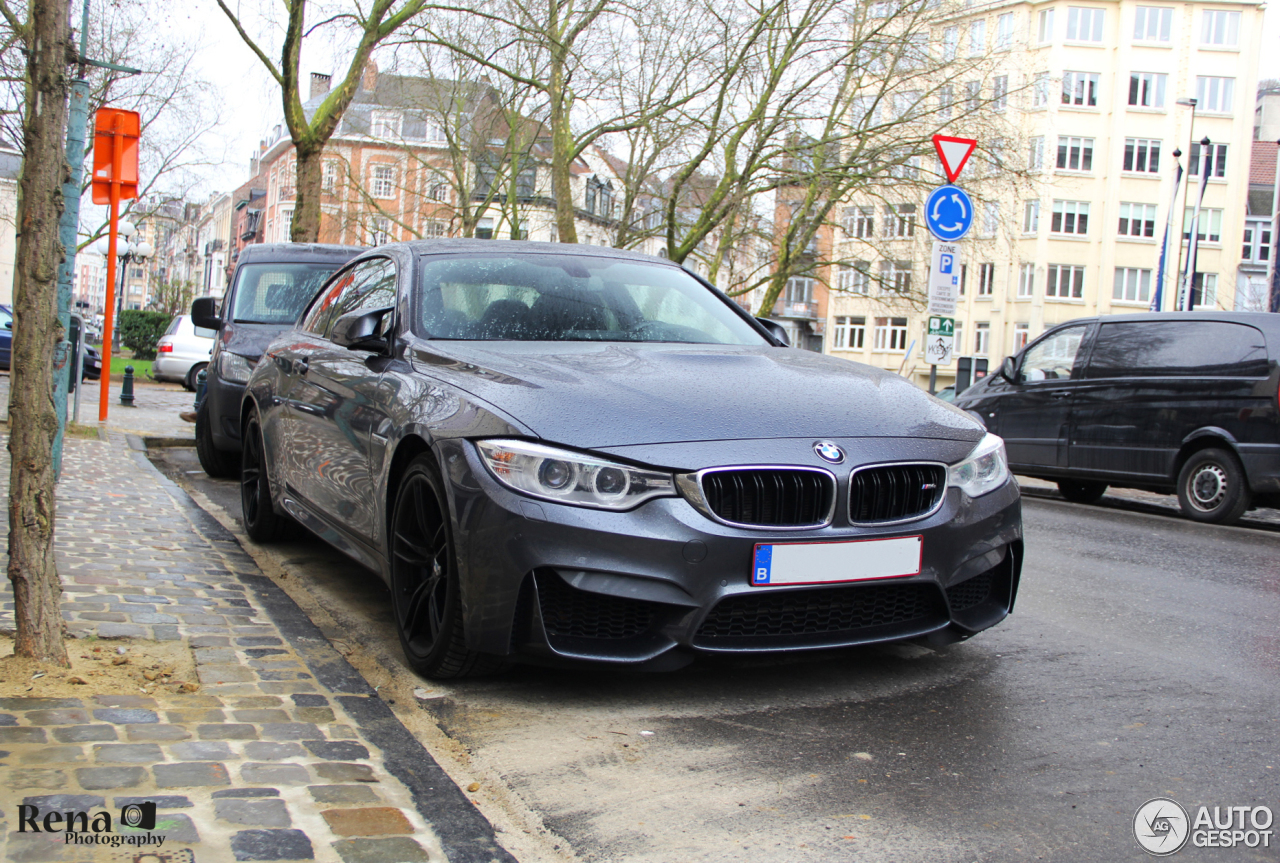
949	213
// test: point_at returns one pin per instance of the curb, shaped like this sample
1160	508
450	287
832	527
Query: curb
464	833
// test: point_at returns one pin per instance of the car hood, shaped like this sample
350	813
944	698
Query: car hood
593	395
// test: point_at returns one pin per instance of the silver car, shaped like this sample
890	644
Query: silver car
182	352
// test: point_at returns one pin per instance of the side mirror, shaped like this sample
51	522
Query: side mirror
204	313
358	331
1009	370
776	330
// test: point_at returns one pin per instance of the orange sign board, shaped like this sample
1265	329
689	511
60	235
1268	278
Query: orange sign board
115	154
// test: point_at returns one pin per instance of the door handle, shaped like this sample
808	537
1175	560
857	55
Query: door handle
300	366
1060	394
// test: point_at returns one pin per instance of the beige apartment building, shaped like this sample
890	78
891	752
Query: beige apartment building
1093	96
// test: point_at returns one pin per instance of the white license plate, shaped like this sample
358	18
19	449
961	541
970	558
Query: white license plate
829	562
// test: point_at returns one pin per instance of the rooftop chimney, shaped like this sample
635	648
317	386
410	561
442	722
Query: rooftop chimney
319	84
370	81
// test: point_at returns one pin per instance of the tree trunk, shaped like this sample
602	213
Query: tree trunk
32	418
561	154
306	206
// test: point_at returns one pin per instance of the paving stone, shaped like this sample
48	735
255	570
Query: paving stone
158	599
146	618
283	675
85	733
343	794
174	826
63	802
120	630
258	701
389	849
342	732
245	792
336	771
287	687
260	652
261	715
227	732
214	655
263	751
105	616
254	813
166	633
310	700
37	777
155	732
107	778
124	701
371	821
195	714
128	753
53	755
271	845
38	703
210	641
66	716
190	775
22	734
202	750
212	675
162	801
317	715
126	716
291	731
274	774
8	719
336	750
35	848
259	641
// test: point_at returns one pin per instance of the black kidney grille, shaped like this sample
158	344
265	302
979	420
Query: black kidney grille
893	492
816	612
971	592
567	611
770	497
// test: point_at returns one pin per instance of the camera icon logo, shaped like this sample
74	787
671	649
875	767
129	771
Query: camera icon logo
139	816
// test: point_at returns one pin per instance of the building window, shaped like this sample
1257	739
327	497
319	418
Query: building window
286	224
1214	94
900	220
1070	217
895	277
520	229
1153	24
434	229
1040	90
1035	154
1210	230
1220	29
329	182
1217	158
384	124
434	133
999	92
973	95
981	339
1065	282
990	218
859	222
1080	88
1207	296
891	334
384	181
1084	24
977	38
1004	32
849	334
1142	155
379	231
1137	220
484	229
439	192
946	98
1031	217
950	43
853	279
799	290
995	161
1021	332
1026	281
986	279
1132	285
1075	154
1146	89
1045	29
1257	241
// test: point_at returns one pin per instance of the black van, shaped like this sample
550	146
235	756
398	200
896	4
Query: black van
1167	402
272	284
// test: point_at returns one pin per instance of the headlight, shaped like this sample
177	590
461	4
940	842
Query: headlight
234	368
570	477
984	471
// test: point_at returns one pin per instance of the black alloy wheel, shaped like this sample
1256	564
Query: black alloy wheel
1212	487
189	382
1078	491
425	594
261	521
214	462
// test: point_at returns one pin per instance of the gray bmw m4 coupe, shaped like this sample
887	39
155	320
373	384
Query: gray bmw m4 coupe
557	453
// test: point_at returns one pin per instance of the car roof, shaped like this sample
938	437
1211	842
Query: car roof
297	252
520	247
1262	320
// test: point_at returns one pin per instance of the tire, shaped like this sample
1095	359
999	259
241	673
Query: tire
189	382
261	521
1212	487
426	597
215	462
1078	491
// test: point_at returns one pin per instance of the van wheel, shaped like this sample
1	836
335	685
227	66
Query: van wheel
1212	487
1081	492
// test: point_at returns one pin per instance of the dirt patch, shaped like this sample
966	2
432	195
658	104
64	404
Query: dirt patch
122	666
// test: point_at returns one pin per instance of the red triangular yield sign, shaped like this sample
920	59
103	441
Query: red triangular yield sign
954	153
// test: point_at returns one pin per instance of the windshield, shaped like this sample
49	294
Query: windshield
270	293
572	298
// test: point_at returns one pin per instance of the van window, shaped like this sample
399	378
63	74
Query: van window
1178	349
1052	358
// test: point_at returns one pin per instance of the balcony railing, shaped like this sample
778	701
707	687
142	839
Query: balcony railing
796	309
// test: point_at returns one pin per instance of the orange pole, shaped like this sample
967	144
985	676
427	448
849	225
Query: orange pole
109	318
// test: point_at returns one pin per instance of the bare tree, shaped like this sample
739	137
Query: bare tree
44	36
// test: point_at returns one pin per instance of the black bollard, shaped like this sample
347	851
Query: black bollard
126	389
202	384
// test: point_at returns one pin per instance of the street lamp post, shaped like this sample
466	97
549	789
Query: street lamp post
1177	294
128	252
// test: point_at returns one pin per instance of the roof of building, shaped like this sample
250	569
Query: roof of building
1262	163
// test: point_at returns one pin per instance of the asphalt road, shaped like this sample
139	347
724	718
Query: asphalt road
1142	660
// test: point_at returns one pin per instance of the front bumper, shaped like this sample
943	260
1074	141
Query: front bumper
663	583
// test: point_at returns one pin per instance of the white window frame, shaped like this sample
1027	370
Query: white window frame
1035	154
950	43
1031	216
1153	24
1208	291
1147	89
1219	28
385	125
1026	281
1021	335
1141	216
1132	285
859	223
1067	218
382	187
849	333
1045	26
986	280
981	339
990	218
900	221
1004	32
379	231
1073	148
1064	282
977	37
1080	89
999	92
1215	95
1141	151
1085	24
1040	90
329	179
1257	240
1217	160
1210	229
890	335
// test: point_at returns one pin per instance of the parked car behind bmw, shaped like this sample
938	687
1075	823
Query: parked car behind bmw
1173	403
271	284
574	453
182	352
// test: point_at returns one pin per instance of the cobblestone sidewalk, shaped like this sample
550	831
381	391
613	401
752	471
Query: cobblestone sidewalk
284	753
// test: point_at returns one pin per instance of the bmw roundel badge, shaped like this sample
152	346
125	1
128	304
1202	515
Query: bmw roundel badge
827	451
